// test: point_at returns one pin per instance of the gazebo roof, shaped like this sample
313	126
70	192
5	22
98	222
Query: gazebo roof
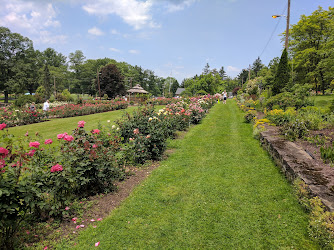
137	89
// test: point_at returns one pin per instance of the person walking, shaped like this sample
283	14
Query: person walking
224	96
46	108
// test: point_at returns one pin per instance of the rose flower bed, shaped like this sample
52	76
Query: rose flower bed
19	117
39	181
87	108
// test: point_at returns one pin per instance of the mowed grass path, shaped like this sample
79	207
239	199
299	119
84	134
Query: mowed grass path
218	190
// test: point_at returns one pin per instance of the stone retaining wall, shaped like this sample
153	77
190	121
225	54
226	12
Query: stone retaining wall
296	162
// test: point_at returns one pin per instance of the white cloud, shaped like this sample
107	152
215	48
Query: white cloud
28	15
232	69
47	37
115	50
173	6
134	12
133	51
95	31
32	18
114	32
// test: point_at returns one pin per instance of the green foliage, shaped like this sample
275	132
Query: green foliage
295	129
282	75
311	42
327	153
112	81
280	117
249	116
24	99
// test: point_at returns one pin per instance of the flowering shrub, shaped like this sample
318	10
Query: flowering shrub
280	117
162	101
41	180
146	131
19	117
86	108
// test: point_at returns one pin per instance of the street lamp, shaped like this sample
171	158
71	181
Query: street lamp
287	25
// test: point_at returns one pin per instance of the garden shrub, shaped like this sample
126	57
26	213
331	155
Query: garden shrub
295	129
280	117
283	100
314	117
24	99
249	116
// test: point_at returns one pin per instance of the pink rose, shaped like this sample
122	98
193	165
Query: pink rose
94	146
67	208
56	168
3	152
61	136
81	124
97	244
2	126
68	138
96	131
31	152
34	144
48	141
136	131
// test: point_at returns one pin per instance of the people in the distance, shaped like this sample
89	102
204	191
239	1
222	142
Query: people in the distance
46	108
224	96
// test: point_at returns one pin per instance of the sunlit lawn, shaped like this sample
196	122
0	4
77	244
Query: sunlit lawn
323	101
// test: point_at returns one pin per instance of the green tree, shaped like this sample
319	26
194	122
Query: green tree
111	81
13	51
76	61
206	69
312	48
282	76
222	73
257	66
52	58
47	81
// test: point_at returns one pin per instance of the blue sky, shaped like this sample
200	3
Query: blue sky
171	37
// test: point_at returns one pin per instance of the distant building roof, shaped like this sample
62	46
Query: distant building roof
137	89
179	91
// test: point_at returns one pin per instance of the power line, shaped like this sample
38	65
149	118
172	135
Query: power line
272	34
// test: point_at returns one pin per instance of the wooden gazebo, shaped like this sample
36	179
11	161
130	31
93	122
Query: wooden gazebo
139	94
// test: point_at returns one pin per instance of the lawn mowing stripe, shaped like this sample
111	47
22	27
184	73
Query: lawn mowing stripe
219	189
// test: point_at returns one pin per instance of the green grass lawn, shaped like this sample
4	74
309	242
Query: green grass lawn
323	101
51	128
218	190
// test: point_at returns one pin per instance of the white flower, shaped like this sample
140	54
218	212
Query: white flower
108	121
113	126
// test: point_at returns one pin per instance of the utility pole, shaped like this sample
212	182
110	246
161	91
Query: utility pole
287	27
98	82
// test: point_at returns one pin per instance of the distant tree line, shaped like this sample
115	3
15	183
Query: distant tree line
24	69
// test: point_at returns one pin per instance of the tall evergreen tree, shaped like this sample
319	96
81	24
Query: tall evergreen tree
257	66
282	75
222	73
206	69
